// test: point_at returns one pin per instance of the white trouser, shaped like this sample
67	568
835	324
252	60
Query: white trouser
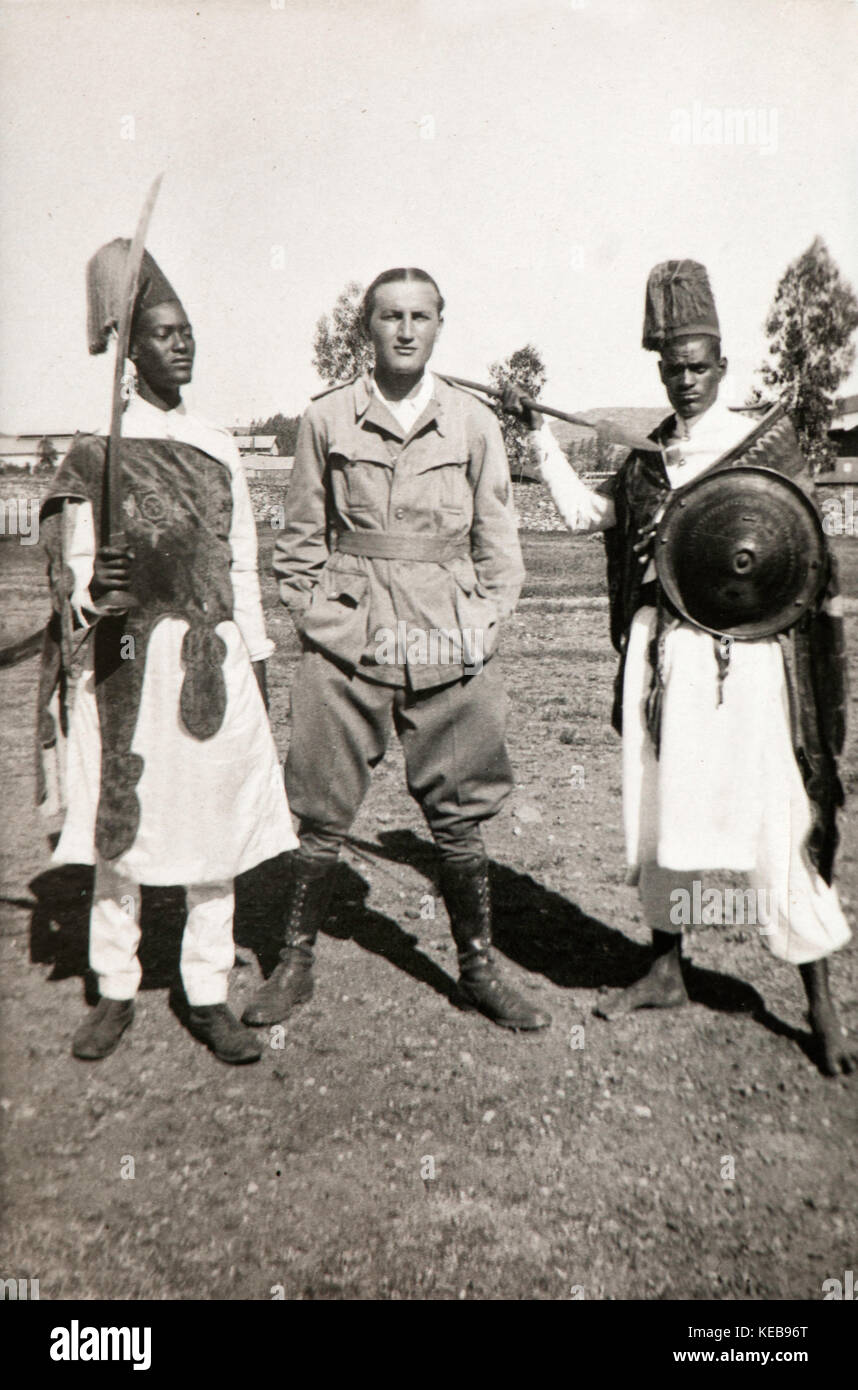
208	953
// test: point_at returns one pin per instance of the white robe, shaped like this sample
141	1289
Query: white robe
725	792
212	808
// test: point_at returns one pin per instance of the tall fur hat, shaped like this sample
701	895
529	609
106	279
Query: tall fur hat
679	303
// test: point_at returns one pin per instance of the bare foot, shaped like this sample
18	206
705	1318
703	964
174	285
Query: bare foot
836	1051
661	988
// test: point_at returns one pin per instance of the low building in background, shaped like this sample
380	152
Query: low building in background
251	445
29	452
844	434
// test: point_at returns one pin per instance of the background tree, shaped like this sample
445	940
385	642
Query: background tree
341	349
526	368
810	328
47	452
284	427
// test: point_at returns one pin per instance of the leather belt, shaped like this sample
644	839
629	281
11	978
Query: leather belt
400	545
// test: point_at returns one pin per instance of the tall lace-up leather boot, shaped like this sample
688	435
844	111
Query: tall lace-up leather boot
291	982
465	889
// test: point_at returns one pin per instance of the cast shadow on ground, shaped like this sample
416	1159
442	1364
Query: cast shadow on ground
258	924
59	928
548	934
543	932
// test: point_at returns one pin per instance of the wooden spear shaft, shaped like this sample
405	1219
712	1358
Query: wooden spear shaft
116	517
118	601
610	433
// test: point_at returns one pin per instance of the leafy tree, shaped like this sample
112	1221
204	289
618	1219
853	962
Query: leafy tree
593	455
341	349
810	327
47	452
583	454
525	368
285	427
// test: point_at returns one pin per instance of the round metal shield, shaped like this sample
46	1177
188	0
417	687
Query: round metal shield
741	552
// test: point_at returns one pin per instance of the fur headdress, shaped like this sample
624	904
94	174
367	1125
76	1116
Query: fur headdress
679	303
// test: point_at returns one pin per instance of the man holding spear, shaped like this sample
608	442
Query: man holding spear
171	774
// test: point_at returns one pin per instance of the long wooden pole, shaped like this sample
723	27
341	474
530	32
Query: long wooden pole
606	430
119	601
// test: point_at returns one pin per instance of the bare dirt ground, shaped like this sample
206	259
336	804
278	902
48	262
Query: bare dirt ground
560	1170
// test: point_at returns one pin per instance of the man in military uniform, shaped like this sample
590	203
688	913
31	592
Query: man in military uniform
729	751
398	561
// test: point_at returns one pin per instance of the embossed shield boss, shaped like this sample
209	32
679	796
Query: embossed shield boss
741	553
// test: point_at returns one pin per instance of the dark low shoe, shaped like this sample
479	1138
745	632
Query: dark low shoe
99	1034
217	1026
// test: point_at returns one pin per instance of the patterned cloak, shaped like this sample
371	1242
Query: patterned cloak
178	510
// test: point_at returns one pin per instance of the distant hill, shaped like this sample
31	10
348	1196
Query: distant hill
641	418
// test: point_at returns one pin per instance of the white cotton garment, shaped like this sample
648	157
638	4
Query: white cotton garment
211	808
208	951
726	792
699	805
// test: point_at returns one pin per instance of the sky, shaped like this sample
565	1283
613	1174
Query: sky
536	156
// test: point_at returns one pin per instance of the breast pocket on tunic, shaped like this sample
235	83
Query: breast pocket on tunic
360	482
443	488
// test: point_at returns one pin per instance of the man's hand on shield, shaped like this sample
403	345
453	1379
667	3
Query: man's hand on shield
643	547
112	570
513	399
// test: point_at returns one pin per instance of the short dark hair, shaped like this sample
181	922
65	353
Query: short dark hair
389	277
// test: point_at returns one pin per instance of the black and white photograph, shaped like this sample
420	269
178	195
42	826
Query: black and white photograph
429	574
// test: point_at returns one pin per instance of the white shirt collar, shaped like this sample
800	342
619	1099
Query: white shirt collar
406	412
708	437
139	410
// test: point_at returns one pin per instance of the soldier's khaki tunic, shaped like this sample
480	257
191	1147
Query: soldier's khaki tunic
399	560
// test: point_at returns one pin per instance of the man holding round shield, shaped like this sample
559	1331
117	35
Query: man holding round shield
729	746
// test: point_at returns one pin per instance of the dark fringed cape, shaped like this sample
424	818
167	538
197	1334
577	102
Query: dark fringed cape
813	650
178	512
